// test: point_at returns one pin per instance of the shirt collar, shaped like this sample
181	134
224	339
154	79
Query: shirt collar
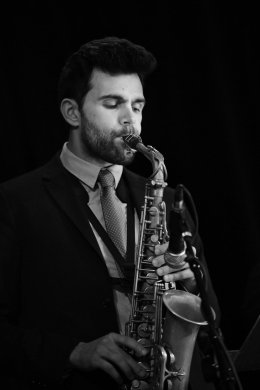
84	170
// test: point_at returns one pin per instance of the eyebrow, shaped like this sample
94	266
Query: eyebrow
120	98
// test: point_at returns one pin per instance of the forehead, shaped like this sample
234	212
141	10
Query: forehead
126	85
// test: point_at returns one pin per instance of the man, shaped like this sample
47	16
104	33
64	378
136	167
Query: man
62	304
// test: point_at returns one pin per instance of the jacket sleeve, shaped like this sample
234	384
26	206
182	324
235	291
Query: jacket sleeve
26	353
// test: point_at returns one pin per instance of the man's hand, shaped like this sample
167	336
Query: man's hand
107	353
186	275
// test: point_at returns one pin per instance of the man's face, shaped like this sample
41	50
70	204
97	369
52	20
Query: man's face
112	108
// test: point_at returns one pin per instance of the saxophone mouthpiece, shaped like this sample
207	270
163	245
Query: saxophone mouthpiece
132	141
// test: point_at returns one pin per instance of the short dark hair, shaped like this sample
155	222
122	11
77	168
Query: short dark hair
111	55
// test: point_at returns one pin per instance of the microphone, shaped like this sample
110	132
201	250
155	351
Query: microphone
176	253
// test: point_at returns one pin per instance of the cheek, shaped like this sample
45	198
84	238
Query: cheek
138	125
104	118
92	115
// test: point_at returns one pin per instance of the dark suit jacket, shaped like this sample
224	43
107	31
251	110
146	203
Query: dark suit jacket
55	290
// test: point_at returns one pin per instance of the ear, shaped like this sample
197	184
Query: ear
70	112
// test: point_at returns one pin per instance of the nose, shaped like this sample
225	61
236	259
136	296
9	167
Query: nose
129	118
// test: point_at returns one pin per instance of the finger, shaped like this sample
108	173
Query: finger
130	343
161	248
112	352
180	275
130	367
112	371
163	270
158	261
166	269
124	365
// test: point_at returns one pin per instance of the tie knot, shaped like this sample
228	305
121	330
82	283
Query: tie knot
106	178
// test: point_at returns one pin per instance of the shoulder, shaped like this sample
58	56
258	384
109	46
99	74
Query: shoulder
31	181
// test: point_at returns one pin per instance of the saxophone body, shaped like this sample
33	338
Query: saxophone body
163	319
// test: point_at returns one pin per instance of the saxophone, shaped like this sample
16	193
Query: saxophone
163	319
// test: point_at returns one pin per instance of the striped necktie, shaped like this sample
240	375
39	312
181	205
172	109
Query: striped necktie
114	216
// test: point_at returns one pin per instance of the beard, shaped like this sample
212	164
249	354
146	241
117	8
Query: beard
105	145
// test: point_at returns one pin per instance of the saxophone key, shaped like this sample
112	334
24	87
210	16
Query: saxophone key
146	343
151	277
148	291
154	238
144	330
148	312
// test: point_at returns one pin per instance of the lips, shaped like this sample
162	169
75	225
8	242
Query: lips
126	147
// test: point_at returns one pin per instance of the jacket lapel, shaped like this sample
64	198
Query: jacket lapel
135	185
71	197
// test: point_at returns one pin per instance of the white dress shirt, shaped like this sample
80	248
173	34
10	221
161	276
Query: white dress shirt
88	173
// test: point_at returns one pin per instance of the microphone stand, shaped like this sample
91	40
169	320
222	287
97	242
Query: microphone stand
222	367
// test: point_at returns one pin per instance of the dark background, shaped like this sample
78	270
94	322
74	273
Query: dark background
202	112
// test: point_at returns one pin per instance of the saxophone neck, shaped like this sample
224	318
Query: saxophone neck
153	155
157	160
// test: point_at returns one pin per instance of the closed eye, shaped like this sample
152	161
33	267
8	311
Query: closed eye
111	103
138	107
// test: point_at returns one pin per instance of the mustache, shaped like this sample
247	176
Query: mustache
127	130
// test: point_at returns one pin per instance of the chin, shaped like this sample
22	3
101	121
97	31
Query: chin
119	156
129	158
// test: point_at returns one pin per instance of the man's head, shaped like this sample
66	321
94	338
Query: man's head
111	55
101	94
